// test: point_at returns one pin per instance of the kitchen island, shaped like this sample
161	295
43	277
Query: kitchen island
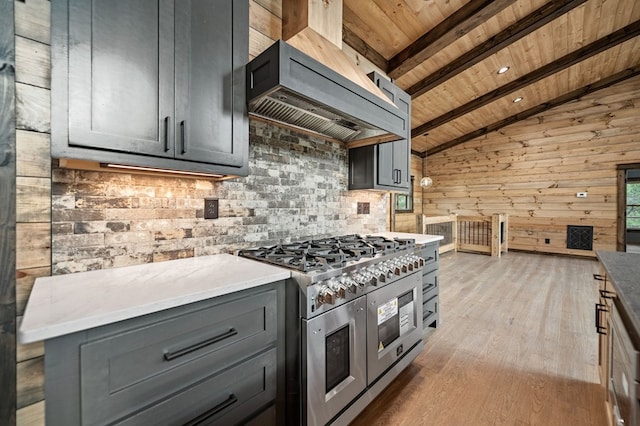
171	342
618	323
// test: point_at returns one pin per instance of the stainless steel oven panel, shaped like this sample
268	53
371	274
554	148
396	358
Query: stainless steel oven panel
322	404
380	360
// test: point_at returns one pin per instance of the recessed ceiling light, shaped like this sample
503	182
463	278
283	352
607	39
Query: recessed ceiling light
518	99
502	70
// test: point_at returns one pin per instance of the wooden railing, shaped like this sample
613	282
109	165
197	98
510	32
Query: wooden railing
475	234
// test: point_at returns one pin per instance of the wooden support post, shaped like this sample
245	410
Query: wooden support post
505	233
454	231
495	235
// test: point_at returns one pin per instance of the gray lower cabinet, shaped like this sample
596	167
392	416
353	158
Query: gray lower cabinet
384	166
430	285
218	361
151	83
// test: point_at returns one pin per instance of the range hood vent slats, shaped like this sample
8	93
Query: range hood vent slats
287	86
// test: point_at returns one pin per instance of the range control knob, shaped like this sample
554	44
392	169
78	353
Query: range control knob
338	289
395	267
325	296
409	263
349	283
376	274
387	269
359	279
369	279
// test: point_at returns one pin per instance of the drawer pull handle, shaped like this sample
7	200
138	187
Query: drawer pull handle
600	329
183	141
598	277
168	356
606	294
166	134
212	412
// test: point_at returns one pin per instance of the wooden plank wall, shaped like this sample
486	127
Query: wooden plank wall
7	216
33	190
533	170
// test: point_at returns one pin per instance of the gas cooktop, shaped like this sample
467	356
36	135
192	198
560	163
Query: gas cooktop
323	254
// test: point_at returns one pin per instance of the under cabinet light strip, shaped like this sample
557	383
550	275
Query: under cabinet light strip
151	169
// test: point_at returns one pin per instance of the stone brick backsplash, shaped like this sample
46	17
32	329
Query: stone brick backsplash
296	189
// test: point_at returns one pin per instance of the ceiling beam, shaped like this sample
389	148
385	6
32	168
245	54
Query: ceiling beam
364	49
536	19
457	25
630	31
571	96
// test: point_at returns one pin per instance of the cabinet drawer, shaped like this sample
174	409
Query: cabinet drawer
430	282
229	397
126	372
430	255
430	310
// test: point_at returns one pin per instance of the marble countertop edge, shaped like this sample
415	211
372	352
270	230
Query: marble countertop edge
51	313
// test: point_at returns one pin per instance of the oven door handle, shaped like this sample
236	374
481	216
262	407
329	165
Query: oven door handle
600	329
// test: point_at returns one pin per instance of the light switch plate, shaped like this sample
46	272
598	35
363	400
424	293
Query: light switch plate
581	195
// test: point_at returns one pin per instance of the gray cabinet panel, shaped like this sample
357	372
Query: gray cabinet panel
226	398
125	372
386	175
430	312
430	285
151	83
206	41
172	366
384	166
120	74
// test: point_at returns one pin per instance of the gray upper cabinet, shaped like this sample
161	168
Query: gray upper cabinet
384	166
151	83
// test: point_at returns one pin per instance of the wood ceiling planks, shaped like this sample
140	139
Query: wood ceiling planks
578	27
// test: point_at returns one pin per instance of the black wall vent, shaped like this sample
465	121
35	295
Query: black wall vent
580	237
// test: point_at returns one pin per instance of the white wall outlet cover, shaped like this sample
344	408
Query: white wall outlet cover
581	195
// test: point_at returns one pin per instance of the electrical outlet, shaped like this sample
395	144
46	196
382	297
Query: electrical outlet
210	208
547	241
363	208
581	195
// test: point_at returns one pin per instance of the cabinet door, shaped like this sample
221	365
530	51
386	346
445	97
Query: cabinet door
402	149
209	58
387	174
401	163
121	75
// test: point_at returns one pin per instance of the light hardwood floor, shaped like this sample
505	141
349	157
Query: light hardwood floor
516	346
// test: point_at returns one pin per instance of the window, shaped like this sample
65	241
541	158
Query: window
633	205
404	202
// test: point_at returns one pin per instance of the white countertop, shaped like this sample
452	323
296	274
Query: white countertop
65	304
420	238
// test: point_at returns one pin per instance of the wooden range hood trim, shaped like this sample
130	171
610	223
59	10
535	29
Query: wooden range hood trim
315	28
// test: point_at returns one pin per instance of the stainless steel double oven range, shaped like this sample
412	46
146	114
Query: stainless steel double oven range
354	321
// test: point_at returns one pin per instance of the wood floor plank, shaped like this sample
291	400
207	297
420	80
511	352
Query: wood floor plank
516	345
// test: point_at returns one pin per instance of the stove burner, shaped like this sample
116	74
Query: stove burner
326	253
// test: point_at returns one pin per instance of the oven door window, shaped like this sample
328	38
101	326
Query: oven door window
337	357
395	318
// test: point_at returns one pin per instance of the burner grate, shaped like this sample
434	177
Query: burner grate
326	253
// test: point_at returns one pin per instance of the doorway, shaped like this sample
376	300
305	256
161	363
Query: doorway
629	208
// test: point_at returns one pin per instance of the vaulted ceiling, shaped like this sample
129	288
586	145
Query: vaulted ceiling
446	54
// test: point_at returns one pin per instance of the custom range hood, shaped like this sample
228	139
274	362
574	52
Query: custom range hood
309	83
